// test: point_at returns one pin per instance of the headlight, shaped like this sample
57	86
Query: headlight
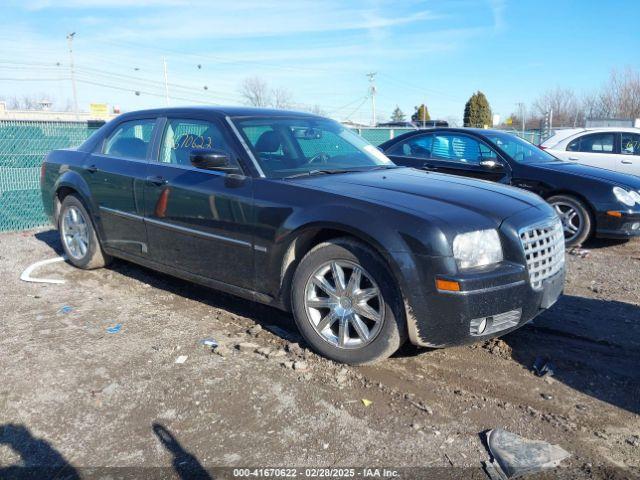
635	195
474	249
624	196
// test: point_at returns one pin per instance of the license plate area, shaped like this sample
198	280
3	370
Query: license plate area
551	290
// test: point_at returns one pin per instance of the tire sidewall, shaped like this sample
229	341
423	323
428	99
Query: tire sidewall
393	331
85	261
586	215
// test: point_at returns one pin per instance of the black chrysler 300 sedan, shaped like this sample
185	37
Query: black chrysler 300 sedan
296	211
588	200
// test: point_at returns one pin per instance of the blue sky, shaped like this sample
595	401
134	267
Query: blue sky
439	52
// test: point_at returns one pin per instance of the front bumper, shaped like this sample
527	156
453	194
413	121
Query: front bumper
610	225
500	297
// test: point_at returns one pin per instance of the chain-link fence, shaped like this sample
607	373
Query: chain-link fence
23	145
379	135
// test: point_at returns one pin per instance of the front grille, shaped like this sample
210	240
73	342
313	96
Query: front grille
544	250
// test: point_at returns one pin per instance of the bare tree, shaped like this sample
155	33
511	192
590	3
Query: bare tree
281	98
565	105
619	97
28	102
256	92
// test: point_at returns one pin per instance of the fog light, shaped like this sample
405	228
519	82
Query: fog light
635	226
482	326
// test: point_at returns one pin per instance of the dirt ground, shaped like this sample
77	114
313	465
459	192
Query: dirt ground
74	395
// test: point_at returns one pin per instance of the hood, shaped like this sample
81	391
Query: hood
448	197
593	173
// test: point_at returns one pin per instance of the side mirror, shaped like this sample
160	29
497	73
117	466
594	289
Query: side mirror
490	164
211	160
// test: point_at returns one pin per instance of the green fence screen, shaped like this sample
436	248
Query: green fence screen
23	145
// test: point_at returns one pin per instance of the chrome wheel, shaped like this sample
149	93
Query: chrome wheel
571	218
74	232
344	304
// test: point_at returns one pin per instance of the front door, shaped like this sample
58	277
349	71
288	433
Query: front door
629	157
199	221
115	173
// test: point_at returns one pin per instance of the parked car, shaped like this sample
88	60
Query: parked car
590	201
416	125
611	148
298	212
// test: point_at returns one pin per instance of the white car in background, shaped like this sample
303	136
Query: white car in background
611	148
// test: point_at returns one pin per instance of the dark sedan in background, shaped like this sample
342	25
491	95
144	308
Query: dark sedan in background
297	211
588	200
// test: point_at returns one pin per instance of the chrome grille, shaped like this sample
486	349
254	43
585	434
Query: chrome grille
544	250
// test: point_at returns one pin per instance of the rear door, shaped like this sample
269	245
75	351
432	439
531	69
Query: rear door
199	221
595	149
115	173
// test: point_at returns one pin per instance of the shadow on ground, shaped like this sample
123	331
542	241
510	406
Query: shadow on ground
184	463
593	344
38	458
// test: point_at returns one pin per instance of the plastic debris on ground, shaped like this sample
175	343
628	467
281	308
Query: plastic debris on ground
514	456
579	252
26	275
543	366
115	329
181	359
209	342
66	309
366	402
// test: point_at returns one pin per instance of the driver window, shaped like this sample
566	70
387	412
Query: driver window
457	148
183	136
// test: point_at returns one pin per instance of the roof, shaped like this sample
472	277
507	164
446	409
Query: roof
230	111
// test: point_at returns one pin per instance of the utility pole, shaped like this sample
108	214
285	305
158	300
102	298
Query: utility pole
166	82
521	107
73	74
372	92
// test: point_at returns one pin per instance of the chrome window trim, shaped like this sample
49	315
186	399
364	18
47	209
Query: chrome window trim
245	146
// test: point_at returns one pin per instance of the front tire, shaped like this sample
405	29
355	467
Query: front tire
78	235
576	219
346	304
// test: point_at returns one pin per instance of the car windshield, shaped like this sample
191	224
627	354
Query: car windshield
287	146
520	150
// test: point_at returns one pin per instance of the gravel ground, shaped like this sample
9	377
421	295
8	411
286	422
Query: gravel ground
76	396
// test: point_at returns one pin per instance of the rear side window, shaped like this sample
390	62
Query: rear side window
630	144
594	143
418	146
130	139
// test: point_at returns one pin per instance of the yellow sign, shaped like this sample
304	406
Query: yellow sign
99	109
509	121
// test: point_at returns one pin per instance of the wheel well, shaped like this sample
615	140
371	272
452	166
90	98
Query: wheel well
301	245
577	196
61	194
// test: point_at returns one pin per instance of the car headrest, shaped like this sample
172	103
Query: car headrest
268	142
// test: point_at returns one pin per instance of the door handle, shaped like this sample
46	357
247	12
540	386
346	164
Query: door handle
574	159
628	162
92	169
157	180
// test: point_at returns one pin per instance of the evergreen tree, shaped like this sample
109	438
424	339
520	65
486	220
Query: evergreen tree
421	114
397	115
477	112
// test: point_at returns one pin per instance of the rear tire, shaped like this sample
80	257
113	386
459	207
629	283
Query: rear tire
78	235
357	319
576	219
